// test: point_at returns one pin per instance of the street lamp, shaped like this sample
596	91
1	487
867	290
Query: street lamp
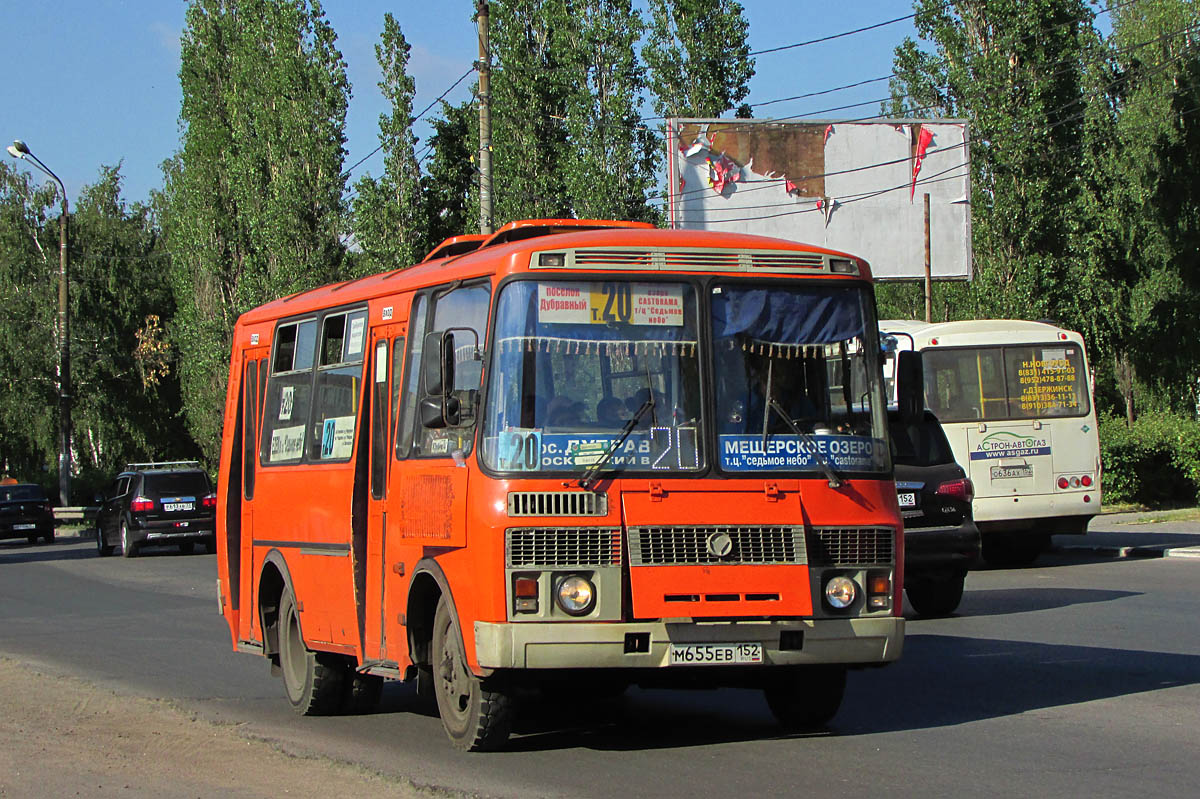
18	149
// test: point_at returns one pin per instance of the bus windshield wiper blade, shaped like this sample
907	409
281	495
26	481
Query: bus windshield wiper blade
589	474
834	480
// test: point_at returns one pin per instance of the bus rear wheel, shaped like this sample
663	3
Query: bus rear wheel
805	698
476	716
312	680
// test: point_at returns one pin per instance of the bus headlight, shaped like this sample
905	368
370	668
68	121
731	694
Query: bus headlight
575	595
840	592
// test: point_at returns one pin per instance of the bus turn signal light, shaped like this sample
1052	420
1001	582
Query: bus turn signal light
525	594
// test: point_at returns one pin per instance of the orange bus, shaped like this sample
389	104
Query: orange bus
575	453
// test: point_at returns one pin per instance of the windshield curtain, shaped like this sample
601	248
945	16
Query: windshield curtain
574	361
807	349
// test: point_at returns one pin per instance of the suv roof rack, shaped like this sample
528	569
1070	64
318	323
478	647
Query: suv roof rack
159	464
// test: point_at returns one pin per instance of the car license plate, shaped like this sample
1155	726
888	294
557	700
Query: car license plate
1011	472
907	500
171	506
24	526
715	654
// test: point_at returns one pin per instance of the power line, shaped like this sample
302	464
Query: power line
834	36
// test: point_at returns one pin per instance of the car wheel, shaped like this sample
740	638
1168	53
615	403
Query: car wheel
210	545
102	549
312	680
128	548
32	540
187	547
807	697
475	715
49	537
935	596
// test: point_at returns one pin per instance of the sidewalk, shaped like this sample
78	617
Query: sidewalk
1147	534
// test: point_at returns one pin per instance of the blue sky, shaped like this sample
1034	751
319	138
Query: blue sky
93	82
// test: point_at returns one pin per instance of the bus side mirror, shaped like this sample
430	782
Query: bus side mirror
910	386
439	408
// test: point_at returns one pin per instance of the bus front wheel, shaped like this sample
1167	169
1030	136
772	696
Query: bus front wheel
476	716
313	681
807	697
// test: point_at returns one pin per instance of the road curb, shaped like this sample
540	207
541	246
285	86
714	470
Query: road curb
1151	551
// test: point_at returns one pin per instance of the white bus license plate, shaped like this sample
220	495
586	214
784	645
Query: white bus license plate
715	654
170	506
1010	472
907	500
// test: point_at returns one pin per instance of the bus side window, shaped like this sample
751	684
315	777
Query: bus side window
404	428
380	396
465	307
335	404
288	393
249	423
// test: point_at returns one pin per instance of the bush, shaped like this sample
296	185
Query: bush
1156	461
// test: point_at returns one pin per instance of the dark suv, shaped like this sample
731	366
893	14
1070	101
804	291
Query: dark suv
25	512
941	541
157	503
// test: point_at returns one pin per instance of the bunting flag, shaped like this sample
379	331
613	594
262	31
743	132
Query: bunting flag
789	186
924	139
723	172
828	132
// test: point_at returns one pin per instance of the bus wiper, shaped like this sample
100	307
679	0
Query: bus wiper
834	480
589	474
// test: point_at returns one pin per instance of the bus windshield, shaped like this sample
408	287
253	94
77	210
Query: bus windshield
1021	381
796	376
574	362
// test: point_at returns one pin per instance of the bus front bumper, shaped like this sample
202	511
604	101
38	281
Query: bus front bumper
562	645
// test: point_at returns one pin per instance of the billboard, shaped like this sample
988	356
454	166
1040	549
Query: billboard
848	185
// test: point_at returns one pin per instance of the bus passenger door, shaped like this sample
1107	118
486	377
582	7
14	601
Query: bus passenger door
387	355
242	567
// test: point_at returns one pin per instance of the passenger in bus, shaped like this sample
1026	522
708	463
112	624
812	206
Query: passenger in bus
610	412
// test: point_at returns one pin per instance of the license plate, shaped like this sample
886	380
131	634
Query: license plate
1010	472
907	500
172	506
715	654
24	526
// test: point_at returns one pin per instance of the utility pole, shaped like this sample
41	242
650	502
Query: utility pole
928	267
485	120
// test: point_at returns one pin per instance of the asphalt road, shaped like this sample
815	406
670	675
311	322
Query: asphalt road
1077	677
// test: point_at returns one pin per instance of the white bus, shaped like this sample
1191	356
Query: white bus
1015	400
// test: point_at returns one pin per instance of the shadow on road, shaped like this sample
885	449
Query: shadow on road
1006	601
77	547
941	681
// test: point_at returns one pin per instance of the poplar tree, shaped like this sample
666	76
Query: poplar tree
390	218
698	56
451	183
614	155
252	207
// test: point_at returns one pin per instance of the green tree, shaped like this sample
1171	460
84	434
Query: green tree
615	155
451	182
252	207
1013	69
530	86
28	319
1141	230
698	56
390	218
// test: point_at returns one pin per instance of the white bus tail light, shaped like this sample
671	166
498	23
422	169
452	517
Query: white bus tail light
1086	481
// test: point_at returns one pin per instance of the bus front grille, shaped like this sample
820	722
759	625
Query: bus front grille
852	547
724	545
527	547
557	503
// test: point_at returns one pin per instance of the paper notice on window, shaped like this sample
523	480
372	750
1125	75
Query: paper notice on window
287	400
337	438
354	346
647	304
287	443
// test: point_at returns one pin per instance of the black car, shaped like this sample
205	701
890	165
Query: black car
25	512
941	541
157	503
